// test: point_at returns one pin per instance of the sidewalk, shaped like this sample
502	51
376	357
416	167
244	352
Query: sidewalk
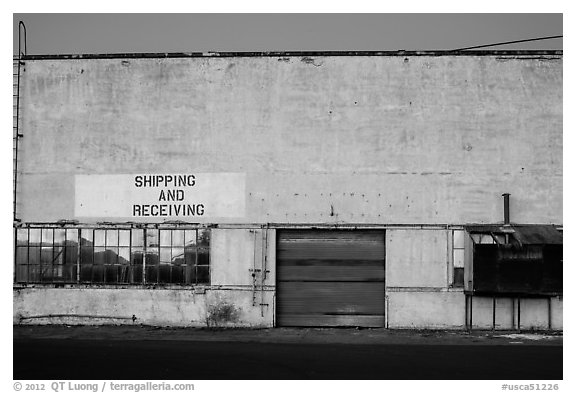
289	335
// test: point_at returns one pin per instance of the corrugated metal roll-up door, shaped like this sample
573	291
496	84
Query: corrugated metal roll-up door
330	278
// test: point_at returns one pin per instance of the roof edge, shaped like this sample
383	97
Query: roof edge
521	53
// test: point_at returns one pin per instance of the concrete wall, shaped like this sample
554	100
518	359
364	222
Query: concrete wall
328	140
374	139
426	310
417	258
161	307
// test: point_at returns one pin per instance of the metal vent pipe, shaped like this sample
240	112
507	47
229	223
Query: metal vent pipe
506	208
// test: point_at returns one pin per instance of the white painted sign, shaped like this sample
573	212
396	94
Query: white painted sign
161	196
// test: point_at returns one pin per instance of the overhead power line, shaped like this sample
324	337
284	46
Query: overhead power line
511	42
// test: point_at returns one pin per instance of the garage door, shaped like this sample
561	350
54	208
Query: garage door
330	278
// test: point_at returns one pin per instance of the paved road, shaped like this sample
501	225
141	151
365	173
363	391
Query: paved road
72	358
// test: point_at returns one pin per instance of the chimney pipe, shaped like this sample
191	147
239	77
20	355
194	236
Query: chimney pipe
506	208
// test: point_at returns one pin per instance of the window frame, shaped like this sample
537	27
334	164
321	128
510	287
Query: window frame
119	270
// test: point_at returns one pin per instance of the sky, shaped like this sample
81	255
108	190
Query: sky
160	33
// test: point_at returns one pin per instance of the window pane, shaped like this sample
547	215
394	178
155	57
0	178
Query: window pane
165	275
99	237
34	255
178	238
136	274
458	239
136	256
59	236
151	274
203	257
34	273
137	237
152	261
112	273
203	274
35	236
71	256
86	256
165	238
204	237
111	255
21	255
87	236
86	273
97	273
151	238
459	258
165	255
459	277
72	236
178	255
46	256
190	256
178	275
22	273
69	273
99	255
124	255
58	257
190	237
111	237
22	236
124	273
47	236
124	238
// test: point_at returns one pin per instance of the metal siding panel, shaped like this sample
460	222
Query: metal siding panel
331	273
338	298
331	320
330	278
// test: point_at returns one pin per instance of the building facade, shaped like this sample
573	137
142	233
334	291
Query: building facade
290	189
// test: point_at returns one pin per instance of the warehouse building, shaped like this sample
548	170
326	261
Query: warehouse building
378	189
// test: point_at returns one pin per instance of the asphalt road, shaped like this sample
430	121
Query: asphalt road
66	358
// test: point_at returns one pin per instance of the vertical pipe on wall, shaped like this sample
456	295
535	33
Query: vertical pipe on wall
493	312
513	314
254	270
466	312
78	254
449	261
549	313
506	208
387	300
518	299
263	266
471	301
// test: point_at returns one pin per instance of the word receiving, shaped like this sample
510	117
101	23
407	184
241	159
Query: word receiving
166	210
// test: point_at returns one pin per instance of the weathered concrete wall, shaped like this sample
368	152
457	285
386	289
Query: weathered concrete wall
162	307
417	258
426	310
238	253
376	139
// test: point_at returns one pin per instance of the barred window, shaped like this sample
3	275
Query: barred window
458	250
113	256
